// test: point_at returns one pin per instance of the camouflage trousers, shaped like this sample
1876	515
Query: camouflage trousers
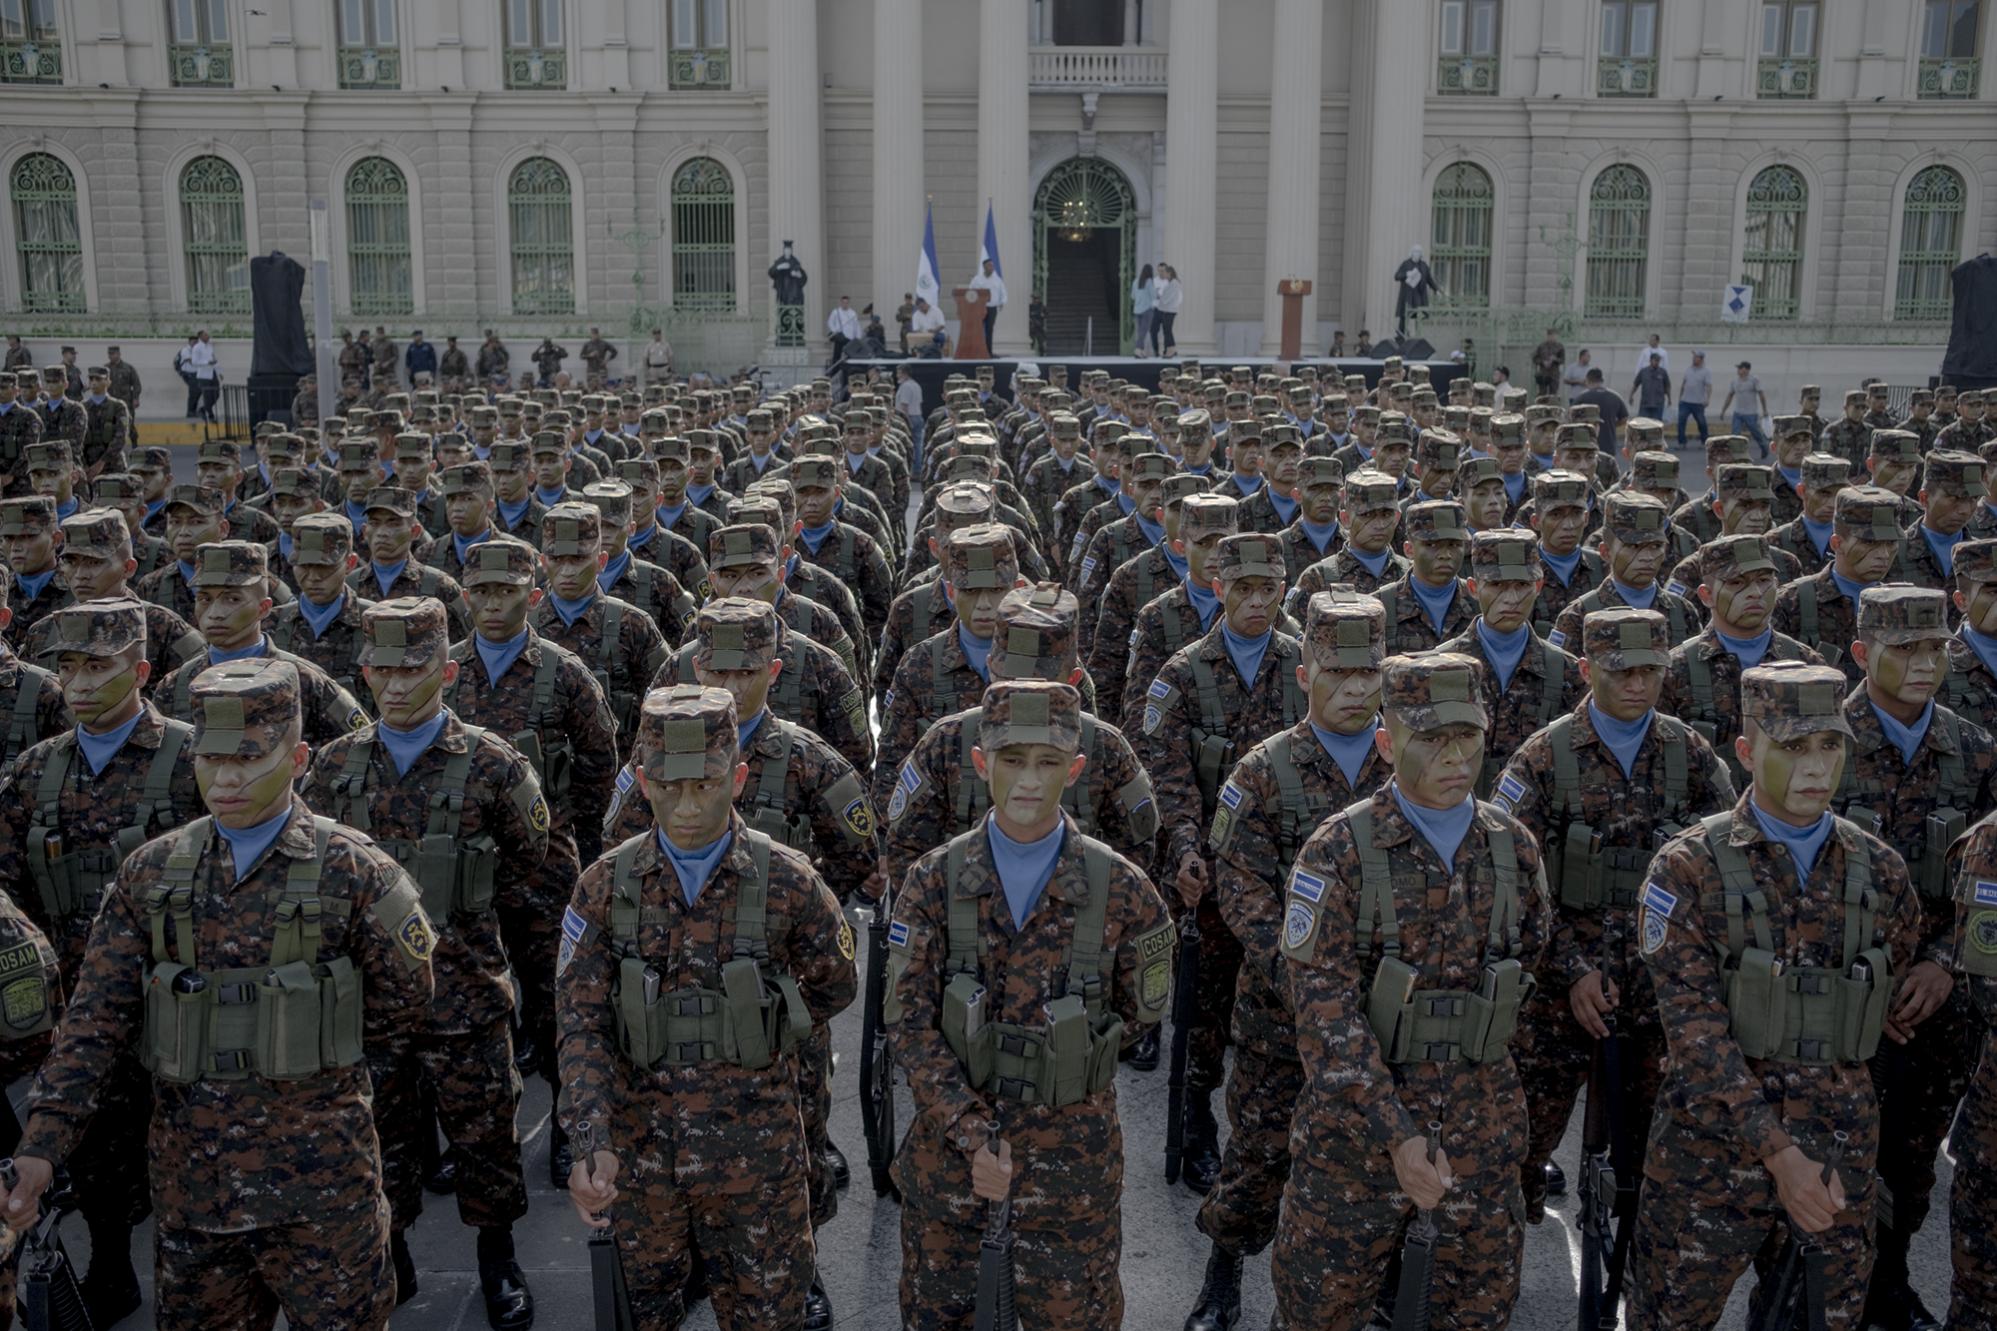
1699	1231
477	1096
1554	1057
1337	1241
1220	967
1262	1088
814	1094
1919	1085
329	1274
1973	1201
1064	1277
748	1215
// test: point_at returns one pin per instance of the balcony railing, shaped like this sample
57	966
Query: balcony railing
202	66
370	67
700	67
1626	78
537	67
1097	68
31	62
1789	78
1949	77
1467	76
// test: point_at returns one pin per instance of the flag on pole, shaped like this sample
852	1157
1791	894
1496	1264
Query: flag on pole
926	283
989	250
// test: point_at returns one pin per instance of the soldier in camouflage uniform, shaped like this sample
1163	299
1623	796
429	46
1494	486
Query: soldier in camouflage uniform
1765	1136
1737	585
1071	948
515	508
835	546
1315	535
1973	1145
1951	492
462	812
1808	537
65	826
1505	578
619	643
1369	515
96	559
1183	614
392	570
1562	510
220	468
123	491
1115	544
675	512
20	425
1895	464
1635	539
1822	608
1600	790
192	517
696	1118
1970	689
1971	428
1207	704
1050	478
32	536
1274	799
1415	899
1744	494
921	608
642	583
108	426
63	417
1429	604
1157	572
1084	494
469	507
1916	775
195	914
323	625
745	558
1850	437
30	697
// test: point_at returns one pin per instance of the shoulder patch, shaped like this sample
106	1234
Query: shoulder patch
1981	931
887	700
1557	638
1657	901
898	933
1511	790
1159	689
1153	718
627	779
905	785
1308	886
1230	795
415	936
538	815
1656	928
1135	634
1675	587
1298	925
860	818
1985	893
1088	567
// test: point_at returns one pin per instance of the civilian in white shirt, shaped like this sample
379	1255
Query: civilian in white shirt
926	329
844	326
207	371
989	281
1653	347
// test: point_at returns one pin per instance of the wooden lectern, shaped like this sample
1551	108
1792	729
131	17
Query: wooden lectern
971	305
1293	290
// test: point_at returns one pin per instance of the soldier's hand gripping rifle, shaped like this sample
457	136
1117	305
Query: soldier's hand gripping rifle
1805	1271
50	1298
1610	1179
876	1067
1185	1004
1418	1260
995	1309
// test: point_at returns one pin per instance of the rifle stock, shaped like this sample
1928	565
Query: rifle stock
1411	1297
609	1293
1600	1125
1185	1003
876	1067
996	1309
50	1298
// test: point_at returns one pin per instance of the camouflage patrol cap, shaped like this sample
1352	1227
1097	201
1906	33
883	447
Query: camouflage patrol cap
508	455
27	515
1439	449
231	564
1369	491
117	487
511	406
1435	520
1584	413
407	632
655	420
1956	473
293	481
687	732
671	448
1181	486
414	446
466	478
97	628
1344	630
1030	711
1724	448
1195	419
1635	519
245	709
282	447
743	544
1577	434
1395	428
1896	445
220	450
640	473
1477	471
29	379
1625	638
1745	480
571	528
760	419
1036	634
548	444
1543	414
1505	554
1825	471
1810	391
977	556
702	441
1654	469
1791	699
1788	427
1064	423
736	633
553	420
395	499
1854	397
1508	427
1148	467
1921	397
321	538
503	559
970	467
384	420
613	499
1317	472
48	455
819	472
98	532
1247	555
1643	432
483	417
1434	690
1899	612
1976	561
1868	513
1204	515
1736	556
361	455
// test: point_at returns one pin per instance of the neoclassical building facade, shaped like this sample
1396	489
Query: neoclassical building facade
548	165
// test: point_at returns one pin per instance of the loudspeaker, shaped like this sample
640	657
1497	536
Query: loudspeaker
1417	349
1382	349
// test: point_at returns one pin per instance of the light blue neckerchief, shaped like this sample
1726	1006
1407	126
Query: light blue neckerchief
977	651
1819	534
1205	603
1286	509
1515	486
1435	601
1802	843
1983	645
386	574
1504	650
1376	564
1444	829
694	867
813	537
255	649
1852	590
746	730
571	611
1154	532
1246	653
1319	534
699	493
1348	751
318	617
668	516
511	513
1641	599
500	656
101	749
463	545
1749	650
613	570
247	845
1907	739
1024	867
1247	485
33	583
406	746
1622	738
1942	547
551	497
1172	561
1563	566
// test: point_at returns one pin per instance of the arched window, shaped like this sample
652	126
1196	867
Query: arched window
1772	258
703	236
381	276
213	234
45	231
537	203
1618	244
1930	244
1460	236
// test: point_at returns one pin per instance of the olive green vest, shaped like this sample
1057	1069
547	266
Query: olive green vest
1552	675
294	1017
1584	873
542	743
763	805
1073	1054
1216	736
71	879
453	871
1299	810
22	723
1869	802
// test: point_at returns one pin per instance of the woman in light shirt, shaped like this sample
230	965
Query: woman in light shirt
1165	304
1141	292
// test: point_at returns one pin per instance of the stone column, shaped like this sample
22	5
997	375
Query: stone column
1002	170
1191	141
898	170
1391	59
797	194
1296	117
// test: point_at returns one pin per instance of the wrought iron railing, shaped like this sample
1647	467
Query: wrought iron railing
535	67
1787	78
1467	76
370	67
31	62
1948	78
1626	78
700	67
202	66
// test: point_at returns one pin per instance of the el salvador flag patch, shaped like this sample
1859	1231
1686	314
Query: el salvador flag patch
898	934
1159	689
1308	886
1657	900
574	926
1675	587
1511	788
1557	638
1986	893
1230	795
626	779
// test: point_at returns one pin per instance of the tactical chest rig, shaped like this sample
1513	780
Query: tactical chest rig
543	742
1552	676
1586	874
1867	802
454	872
1216	736
71	879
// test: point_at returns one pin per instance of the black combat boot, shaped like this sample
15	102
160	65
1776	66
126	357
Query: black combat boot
111	1288
1143	1055
817	1306
509	1304
1219	1306
405	1267
1556	1180
1200	1165
1890	1301
835	1164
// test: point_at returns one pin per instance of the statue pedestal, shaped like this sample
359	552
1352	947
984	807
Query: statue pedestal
971	305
